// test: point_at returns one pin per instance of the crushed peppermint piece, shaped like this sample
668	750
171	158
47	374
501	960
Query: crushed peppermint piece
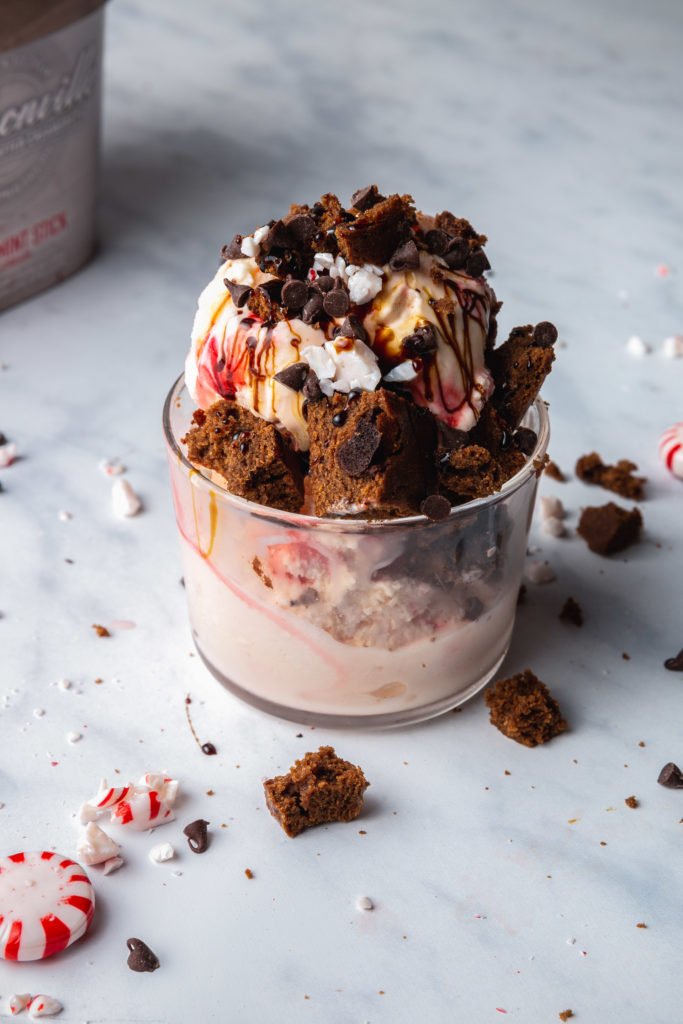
364	284
8	453
554	526
635	346
74	737
124	499
540	572
19	1002
672	347
343	365
38	712
111	467
94	846
64	684
662	270
161	852
43	1006
402	372
65	515
113	864
551	508
365	903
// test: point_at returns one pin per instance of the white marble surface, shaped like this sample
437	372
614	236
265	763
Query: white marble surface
556	129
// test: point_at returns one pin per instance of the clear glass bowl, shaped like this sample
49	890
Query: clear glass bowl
347	622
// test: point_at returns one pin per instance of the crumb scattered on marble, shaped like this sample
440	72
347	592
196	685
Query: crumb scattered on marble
74	737
249	873
101	631
38	712
641	924
565	1014
631	801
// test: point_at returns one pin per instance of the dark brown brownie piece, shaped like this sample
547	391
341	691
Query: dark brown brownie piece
370	452
257	461
620	479
376	233
522	709
468	473
318	789
554	472
609	528
519	367
571	612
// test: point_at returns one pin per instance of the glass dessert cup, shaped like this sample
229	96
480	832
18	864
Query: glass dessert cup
348	622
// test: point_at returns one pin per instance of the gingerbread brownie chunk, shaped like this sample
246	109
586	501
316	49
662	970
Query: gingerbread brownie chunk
256	458
318	789
377	232
620	479
609	528
519	367
367	454
522	709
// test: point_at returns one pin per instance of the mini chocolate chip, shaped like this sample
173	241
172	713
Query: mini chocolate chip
234	250
312	392
302	227
339	418
337	302
366	197
406	257
141	957
239	293
438	241
420	342
3	439
436	506
525	440
351	328
208	749
675	664
671	776
324	283
313	308
293	376
197	835
545	334
457	254
272	288
476	263
355	455
279	237
294	294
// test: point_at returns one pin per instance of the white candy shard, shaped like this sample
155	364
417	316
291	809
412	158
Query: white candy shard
343	365
672	347
161	852
111	468
635	346
365	903
124	499
112	864
65	515
364	285
44	1006
64	684
74	737
8	453
19	1002
554	526
94	846
403	372
87	813
142	811
109	796
551	508
158	782
249	246
539	572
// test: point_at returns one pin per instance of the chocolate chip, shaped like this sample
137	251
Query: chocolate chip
294	294
351	328
337	302
671	776
324	283
208	749
406	257
420	342
545	334
525	440
279	237
141	957
302	227
313	308
457	254
234	250
312	392
366	197
239	293
476	263
293	376
436	506
197	835
355	455
272	288
339	418
3	439
438	241
675	664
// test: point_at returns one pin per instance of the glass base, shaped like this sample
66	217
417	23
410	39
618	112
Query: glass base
410	716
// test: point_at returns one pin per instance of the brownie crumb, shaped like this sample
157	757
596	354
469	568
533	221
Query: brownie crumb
675	664
261	573
631	801
620	479
523	710
641	924
319	788
249	873
571	612
521	594
671	776
566	1014
609	528
554	472
101	630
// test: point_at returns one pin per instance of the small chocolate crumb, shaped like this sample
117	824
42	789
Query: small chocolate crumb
631	801
209	749
521	594
312	392
436	507
366	197
566	1014
641	924
554	472
420	343
239	293
355	455
671	776
313	307
197	835
351	328
625	656
476	263
456	255
675	664
101	630
233	251
140	956
571	612
545	334
249	873
293	376
406	257
438	241
525	440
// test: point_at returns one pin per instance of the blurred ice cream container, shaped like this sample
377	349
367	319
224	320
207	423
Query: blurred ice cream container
50	76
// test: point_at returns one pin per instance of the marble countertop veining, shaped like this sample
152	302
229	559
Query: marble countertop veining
507	883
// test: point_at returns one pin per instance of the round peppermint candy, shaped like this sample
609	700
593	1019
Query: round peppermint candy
46	903
671	449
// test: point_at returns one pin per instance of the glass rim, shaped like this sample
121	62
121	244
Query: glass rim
342	525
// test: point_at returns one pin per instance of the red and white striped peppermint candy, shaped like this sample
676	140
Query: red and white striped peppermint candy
142	810
46	903
671	449
109	796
